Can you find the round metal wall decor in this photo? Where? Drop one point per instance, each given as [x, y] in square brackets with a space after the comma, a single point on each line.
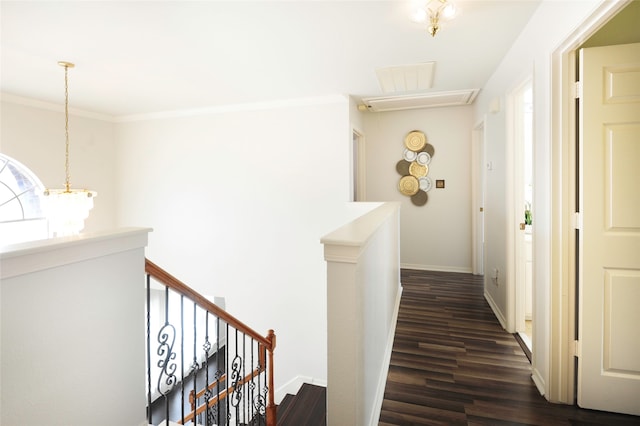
[414, 167]
[418, 170]
[402, 167]
[428, 148]
[415, 140]
[419, 198]
[409, 185]
[423, 158]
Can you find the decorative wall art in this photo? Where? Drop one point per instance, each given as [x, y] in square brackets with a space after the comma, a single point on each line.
[414, 168]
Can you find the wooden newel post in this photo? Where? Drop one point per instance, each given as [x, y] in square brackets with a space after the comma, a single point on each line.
[271, 405]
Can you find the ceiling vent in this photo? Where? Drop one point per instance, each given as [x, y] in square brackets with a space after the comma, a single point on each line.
[428, 100]
[406, 78]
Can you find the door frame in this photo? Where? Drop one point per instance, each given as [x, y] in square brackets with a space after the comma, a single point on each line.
[563, 206]
[477, 197]
[515, 199]
[357, 167]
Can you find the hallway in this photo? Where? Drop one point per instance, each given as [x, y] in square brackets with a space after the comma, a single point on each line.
[453, 364]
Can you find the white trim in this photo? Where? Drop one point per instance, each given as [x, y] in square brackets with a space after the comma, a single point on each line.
[562, 295]
[360, 174]
[222, 109]
[538, 380]
[50, 106]
[437, 268]
[33, 256]
[477, 196]
[346, 244]
[293, 386]
[495, 309]
[384, 373]
[515, 204]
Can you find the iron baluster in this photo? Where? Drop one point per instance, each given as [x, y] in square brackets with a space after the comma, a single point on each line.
[195, 366]
[252, 413]
[206, 346]
[218, 374]
[167, 364]
[236, 379]
[244, 374]
[248, 361]
[149, 415]
[182, 358]
[226, 363]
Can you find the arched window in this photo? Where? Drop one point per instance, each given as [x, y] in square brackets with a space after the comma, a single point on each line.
[21, 214]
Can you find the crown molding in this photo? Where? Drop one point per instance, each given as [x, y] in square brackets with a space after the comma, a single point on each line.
[49, 106]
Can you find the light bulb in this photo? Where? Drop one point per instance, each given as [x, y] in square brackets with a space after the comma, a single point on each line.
[419, 15]
[449, 11]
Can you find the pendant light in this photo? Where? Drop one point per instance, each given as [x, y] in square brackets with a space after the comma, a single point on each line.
[67, 208]
[436, 11]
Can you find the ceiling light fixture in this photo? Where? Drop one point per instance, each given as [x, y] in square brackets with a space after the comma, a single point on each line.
[67, 208]
[435, 11]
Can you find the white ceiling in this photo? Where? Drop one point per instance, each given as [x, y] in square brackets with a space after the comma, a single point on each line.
[136, 57]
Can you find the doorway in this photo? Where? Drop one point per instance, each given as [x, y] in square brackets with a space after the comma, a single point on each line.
[566, 223]
[357, 166]
[609, 234]
[521, 107]
[477, 194]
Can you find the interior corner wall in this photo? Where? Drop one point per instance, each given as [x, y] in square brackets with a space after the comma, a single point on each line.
[496, 214]
[238, 202]
[34, 136]
[530, 54]
[437, 235]
[356, 117]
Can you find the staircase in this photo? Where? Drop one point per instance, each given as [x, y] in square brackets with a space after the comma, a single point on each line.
[204, 366]
[307, 408]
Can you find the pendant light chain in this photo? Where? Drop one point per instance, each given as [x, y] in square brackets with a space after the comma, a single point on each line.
[67, 208]
[66, 128]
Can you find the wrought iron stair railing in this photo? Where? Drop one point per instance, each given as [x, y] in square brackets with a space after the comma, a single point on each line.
[204, 366]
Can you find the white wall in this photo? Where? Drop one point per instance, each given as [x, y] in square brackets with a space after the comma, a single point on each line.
[238, 201]
[530, 54]
[33, 133]
[72, 338]
[436, 236]
[363, 287]
[250, 192]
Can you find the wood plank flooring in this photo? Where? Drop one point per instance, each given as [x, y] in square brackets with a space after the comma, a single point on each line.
[308, 407]
[453, 364]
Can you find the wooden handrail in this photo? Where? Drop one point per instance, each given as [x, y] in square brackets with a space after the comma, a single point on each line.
[222, 395]
[175, 284]
[271, 413]
[211, 386]
[265, 343]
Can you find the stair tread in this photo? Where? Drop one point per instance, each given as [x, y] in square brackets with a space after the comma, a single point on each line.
[285, 404]
[308, 407]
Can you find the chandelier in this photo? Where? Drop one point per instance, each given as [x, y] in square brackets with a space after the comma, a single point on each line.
[67, 208]
[435, 11]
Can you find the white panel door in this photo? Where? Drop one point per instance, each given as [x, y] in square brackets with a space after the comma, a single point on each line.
[609, 284]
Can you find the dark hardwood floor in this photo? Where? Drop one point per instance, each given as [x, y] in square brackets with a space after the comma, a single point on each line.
[308, 407]
[453, 364]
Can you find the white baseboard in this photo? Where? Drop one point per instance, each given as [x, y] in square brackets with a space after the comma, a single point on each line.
[495, 309]
[539, 381]
[438, 268]
[294, 385]
[382, 380]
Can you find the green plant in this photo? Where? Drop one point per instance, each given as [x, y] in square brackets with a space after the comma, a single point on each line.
[527, 214]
